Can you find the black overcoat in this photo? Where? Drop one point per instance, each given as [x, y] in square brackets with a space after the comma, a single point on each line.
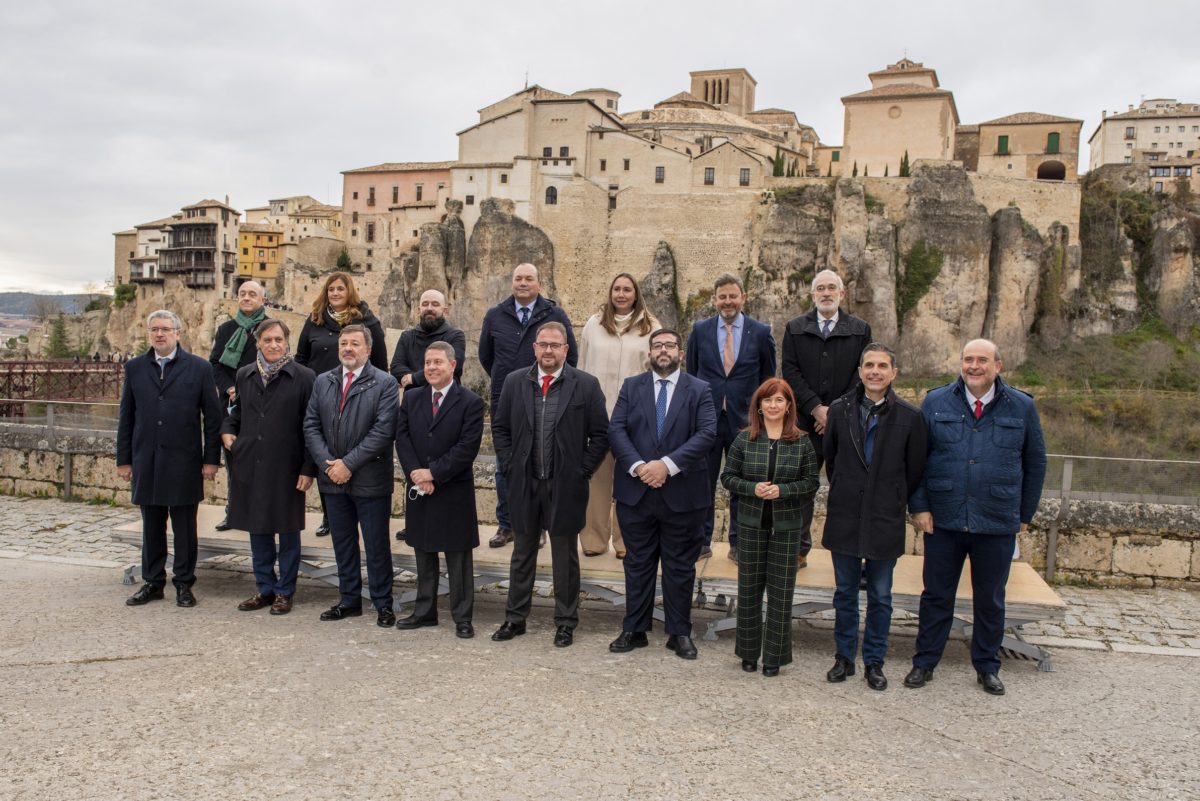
[447, 446]
[317, 345]
[169, 428]
[867, 507]
[269, 455]
[580, 442]
[820, 371]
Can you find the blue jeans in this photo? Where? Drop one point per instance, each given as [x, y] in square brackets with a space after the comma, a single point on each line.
[347, 515]
[847, 572]
[263, 554]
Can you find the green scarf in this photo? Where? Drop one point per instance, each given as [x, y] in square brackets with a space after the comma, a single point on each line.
[232, 357]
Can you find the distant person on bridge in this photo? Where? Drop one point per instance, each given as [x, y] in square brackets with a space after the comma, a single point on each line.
[168, 445]
[233, 348]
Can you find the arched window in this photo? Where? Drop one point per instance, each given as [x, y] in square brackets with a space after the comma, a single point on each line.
[551, 195]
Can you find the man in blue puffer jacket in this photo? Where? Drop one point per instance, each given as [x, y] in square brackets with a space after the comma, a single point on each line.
[982, 483]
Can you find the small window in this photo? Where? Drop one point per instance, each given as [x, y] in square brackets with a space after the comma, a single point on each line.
[609, 104]
[262, 266]
[470, 200]
[420, 191]
[1158, 185]
[353, 232]
[354, 217]
[414, 234]
[627, 165]
[395, 195]
[660, 174]
[245, 252]
[503, 177]
[1052, 142]
[261, 254]
[1182, 128]
[710, 176]
[1002, 146]
[1158, 129]
[564, 152]
[369, 251]
[368, 266]
[370, 232]
[744, 176]
[603, 164]
[836, 156]
[612, 202]
[1129, 133]
[551, 196]
[1154, 144]
[547, 152]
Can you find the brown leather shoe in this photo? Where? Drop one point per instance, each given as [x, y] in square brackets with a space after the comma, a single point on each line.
[257, 601]
[282, 605]
[620, 554]
[502, 537]
[801, 561]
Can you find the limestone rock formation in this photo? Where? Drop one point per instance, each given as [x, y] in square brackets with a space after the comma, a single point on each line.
[1174, 274]
[1016, 266]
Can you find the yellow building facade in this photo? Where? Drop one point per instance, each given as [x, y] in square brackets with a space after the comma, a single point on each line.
[258, 251]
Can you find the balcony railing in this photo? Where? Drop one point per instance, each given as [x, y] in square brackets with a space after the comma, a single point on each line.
[200, 280]
[193, 241]
[184, 260]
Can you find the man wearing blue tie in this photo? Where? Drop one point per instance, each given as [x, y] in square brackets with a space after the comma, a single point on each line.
[733, 353]
[662, 429]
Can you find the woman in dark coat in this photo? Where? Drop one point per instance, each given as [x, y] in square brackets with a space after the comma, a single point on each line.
[335, 307]
[772, 468]
[271, 467]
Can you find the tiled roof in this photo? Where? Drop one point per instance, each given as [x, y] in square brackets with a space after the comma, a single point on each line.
[1029, 118]
[684, 97]
[260, 228]
[897, 90]
[205, 204]
[158, 223]
[404, 166]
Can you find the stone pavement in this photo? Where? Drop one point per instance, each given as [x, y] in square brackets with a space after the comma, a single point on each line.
[1157, 621]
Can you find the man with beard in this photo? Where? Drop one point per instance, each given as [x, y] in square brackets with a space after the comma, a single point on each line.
[821, 349]
[408, 361]
[662, 429]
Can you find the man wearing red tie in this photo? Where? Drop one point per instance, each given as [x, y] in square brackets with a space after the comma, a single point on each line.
[550, 432]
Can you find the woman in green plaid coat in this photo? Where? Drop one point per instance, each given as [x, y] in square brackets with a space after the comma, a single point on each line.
[772, 468]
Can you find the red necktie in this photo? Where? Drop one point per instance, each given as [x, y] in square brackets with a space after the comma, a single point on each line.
[346, 390]
[978, 409]
[437, 402]
[546, 381]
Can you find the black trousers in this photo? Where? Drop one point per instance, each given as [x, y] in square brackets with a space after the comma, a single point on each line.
[154, 545]
[564, 556]
[653, 534]
[460, 567]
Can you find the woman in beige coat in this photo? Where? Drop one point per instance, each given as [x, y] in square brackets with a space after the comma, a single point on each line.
[613, 346]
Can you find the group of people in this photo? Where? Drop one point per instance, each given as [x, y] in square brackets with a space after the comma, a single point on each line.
[605, 440]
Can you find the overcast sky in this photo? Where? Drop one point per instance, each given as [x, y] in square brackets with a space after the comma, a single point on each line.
[117, 113]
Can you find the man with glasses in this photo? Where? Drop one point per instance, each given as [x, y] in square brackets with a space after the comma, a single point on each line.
[550, 430]
[168, 445]
[661, 431]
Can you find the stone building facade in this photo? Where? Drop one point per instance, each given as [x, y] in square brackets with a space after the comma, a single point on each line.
[1157, 130]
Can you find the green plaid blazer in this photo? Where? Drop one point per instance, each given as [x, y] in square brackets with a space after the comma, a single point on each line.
[795, 474]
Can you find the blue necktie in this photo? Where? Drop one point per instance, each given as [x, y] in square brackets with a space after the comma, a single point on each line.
[524, 316]
[825, 326]
[660, 405]
[162, 367]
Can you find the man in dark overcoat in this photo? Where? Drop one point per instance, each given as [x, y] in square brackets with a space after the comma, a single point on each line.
[820, 364]
[551, 433]
[875, 447]
[168, 445]
[272, 468]
[234, 348]
[439, 427]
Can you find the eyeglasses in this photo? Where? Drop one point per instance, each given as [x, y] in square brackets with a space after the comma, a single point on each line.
[664, 346]
[161, 330]
[555, 346]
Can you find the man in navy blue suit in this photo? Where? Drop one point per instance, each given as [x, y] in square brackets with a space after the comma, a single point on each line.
[662, 429]
[733, 353]
[163, 449]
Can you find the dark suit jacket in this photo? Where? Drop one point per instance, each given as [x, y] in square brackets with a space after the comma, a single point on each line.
[580, 443]
[688, 434]
[446, 445]
[795, 474]
[755, 364]
[169, 429]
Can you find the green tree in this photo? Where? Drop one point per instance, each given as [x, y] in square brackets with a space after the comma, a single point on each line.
[122, 294]
[829, 172]
[904, 171]
[885, 171]
[343, 260]
[865, 173]
[57, 347]
[854, 172]
[778, 169]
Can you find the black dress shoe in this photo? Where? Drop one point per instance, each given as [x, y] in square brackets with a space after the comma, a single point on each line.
[749, 666]
[563, 637]
[464, 631]
[223, 525]
[508, 630]
[145, 594]
[322, 530]
[627, 641]
[991, 683]
[385, 619]
[414, 622]
[683, 646]
[400, 535]
[918, 677]
[184, 597]
[733, 554]
[502, 537]
[842, 667]
[770, 671]
[875, 678]
[338, 612]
